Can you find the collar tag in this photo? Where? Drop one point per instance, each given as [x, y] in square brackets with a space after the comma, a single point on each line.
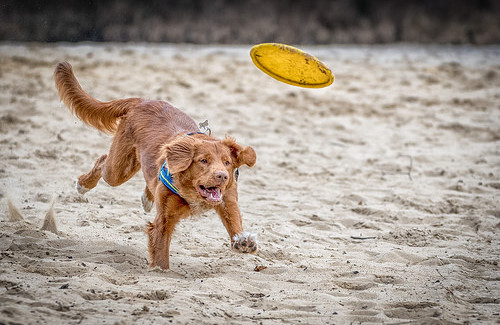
[204, 128]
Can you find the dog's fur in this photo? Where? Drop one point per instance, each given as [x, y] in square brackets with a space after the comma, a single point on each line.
[148, 133]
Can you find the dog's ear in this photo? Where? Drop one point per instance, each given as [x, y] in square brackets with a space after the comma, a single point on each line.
[180, 154]
[241, 156]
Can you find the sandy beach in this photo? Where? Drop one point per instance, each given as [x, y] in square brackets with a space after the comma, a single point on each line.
[375, 200]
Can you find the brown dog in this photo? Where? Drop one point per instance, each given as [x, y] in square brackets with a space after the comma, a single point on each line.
[199, 170]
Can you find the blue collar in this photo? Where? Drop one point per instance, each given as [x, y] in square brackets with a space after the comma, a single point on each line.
[166, 179]
[165, 176]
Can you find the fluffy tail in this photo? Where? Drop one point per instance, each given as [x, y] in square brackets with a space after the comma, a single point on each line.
[101, 115]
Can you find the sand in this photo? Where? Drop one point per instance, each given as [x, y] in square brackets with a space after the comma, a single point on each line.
[376, 200]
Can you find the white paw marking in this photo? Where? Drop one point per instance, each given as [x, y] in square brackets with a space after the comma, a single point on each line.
[245, 242]
[146, 203]
[81, 189]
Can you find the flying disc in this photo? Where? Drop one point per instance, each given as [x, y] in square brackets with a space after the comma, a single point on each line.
[291, 65]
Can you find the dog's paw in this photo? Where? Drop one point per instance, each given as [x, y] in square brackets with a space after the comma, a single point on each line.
[81, 189]
[146, 203]
[245, 243]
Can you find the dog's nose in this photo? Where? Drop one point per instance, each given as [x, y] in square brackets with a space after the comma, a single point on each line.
[221, 176]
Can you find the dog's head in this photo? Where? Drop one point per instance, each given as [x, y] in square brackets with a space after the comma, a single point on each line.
[204, 167]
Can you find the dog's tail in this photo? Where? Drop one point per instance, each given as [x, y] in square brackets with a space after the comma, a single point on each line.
[101, 115]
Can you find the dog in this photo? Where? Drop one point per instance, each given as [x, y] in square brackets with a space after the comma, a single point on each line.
[187, 172]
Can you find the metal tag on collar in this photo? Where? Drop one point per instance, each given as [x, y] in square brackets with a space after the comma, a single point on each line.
[204, 128]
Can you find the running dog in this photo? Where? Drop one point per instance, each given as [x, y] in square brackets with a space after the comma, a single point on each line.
[187, 172]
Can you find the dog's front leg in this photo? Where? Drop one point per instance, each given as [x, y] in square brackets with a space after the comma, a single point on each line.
[230, 215]
[170, 210]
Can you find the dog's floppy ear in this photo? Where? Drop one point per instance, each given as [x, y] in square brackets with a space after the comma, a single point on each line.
[242, 156]
[180, 154]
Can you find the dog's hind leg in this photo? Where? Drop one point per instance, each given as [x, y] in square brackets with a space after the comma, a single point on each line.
[120, 167]
[115, 168]
[121, 163]
[88, 181]
[147, 200]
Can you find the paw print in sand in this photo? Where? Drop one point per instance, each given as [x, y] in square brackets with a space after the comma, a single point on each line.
[245, 243]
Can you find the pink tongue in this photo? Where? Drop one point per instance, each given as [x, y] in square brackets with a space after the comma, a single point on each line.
[213, 195]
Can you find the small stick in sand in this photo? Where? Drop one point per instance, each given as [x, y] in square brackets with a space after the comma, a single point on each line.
[451, 295]
[411, 167]
[362, 238]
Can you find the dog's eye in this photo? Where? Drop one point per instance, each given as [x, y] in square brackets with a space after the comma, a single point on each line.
[204, 161]
[227, 162]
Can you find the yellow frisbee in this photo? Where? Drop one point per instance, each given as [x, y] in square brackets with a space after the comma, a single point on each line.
[291, 65]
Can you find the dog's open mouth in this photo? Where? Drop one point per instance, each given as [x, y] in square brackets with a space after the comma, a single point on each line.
[212, 194]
